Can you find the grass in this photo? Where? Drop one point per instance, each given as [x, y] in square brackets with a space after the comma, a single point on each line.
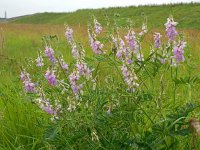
[24, 126]
[186, 14]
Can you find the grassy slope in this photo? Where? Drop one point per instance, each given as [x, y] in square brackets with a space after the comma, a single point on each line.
[188, 16]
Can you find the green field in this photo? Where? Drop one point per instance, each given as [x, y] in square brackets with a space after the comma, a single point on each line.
[157, 116]
[188, 16]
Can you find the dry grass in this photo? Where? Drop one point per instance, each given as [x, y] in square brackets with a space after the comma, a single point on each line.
[33, 33]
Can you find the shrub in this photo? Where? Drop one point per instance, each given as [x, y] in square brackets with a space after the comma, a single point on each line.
[119, 98]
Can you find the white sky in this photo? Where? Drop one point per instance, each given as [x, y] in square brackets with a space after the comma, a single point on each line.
[23, 7]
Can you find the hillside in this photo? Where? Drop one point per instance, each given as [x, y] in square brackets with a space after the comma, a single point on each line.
[188, 16]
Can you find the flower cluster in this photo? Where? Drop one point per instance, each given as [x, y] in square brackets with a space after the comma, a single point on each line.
[51, 77]
[121, 49]
[80, 69]
[114, 42]
[178, 52]
[132, 41]
[171, 29]
[83, 69]
[73, 79]
[29, 86]
[39, 61]
[129, 77]
[128, 52]
[133, 47]
[96, 45]
[49, 52]
[69, 34]
[157, 41]
[97, 27]
[64, 66]
[46, 105]
[43, 103]
[125, 55]
[75, 52]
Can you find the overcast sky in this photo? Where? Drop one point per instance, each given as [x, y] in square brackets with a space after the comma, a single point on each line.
[24, 7]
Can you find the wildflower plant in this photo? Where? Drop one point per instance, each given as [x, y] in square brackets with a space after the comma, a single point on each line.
[117, 98]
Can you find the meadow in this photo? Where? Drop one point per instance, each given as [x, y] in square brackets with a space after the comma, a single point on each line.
[162, 113]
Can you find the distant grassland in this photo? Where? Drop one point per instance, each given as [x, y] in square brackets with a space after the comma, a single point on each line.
[188, 16]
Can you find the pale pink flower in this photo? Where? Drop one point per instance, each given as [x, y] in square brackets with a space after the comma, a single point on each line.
[171, 29]
[97, 27]
[69, 34]
[157, 41]
[39, 61]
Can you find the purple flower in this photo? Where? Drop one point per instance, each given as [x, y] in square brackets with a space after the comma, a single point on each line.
[96, 45]
[29, 86]
[50, 76]
[49, 52]
[171, 29]
[69, 34]
[157, 41]
[121, 49]
[24, 76]
[83, 69]
[39, 61]
[46, 105]
[49, 108]
[73, 79]
[130, 78]
[64, 65]
[75, 52]
[129, 61]
[124, 53]
[119, 54]
[97, 27]
[132, 41]
[178, 51]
